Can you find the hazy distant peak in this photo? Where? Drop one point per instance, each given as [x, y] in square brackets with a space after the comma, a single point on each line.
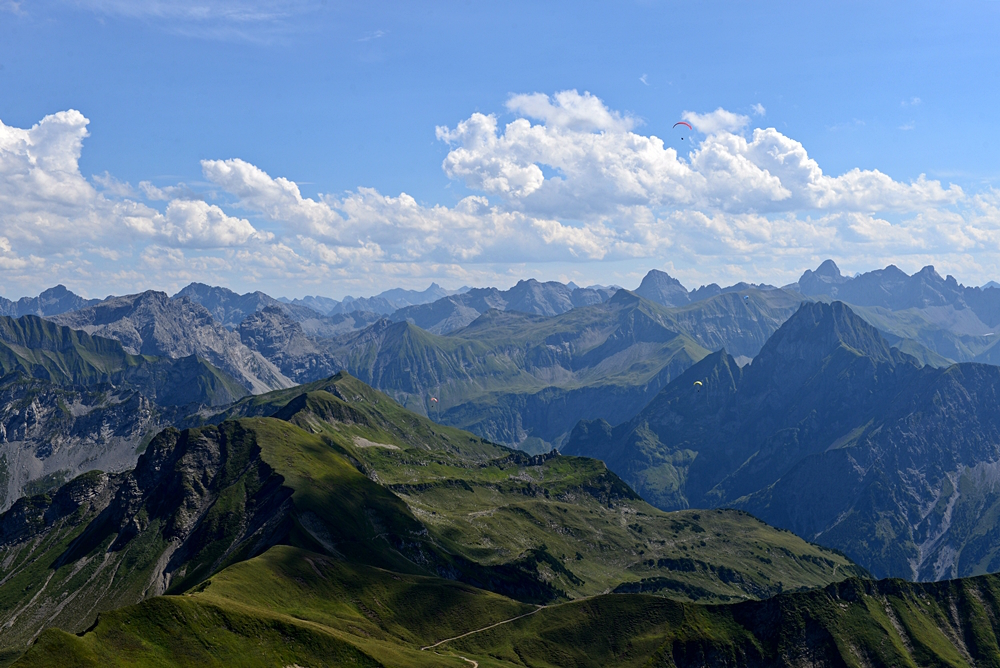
[662, 288]
[59, 290]
[828, 268]
[624, 297]
[828, 273]
[929, 272]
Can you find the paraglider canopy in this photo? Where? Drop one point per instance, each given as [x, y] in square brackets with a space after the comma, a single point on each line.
[683, 123]
[434, 400]
[698, 383]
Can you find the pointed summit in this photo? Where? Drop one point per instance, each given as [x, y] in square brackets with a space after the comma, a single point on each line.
[823, 281]
[812, 339]
[662, 288]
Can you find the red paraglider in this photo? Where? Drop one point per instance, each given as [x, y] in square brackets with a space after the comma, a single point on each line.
[683, 123]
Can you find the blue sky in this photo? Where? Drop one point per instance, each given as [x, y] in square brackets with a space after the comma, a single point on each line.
[191, 121]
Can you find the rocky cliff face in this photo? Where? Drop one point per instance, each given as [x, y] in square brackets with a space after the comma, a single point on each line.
[194, 500]
[150, 323]
[50, 434]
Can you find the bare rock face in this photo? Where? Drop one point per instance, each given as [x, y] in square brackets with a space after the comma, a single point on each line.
[662, 288]
[272, 333]
[150, 323]
[50, 434]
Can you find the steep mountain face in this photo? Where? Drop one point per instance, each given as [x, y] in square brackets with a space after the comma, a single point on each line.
[41, 349]
[280, 339]
[662, 288]
[150, 323]
[344, 472]
[530, 296]
[50, 302]
[50, 434]
[832, 434]
[230, 308]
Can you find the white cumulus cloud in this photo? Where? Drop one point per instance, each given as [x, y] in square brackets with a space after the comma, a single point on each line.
[719, 120]
[563, 181]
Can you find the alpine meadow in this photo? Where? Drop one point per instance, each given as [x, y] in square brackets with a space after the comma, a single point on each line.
[499, 335]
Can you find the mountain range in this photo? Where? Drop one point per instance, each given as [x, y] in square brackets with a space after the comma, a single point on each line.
[215, 478]
[830, 433]
[339, 475]
[150, 323]
[384, 303]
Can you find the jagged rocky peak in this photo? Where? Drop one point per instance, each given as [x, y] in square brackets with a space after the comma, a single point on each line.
[662, 288]
[822, 281]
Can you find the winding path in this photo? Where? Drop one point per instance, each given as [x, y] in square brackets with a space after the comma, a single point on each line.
[485, 628]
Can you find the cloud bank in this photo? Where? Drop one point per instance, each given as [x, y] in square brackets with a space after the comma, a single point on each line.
[563, 184]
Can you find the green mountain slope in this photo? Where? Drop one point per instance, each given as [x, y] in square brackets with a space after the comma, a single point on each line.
[344, 471]
[291, 607]
[833, 434]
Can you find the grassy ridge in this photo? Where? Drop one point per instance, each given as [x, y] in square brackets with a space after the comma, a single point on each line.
[568, 519]
[291, 606]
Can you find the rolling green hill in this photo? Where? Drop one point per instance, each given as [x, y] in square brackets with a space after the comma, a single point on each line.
[343, 471]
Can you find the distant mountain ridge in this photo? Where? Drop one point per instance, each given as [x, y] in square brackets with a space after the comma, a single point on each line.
[383, 303]
[230, 308]
[528, 296]
[150, 323]
[893, 289]
[53, 301]
[662, 288]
